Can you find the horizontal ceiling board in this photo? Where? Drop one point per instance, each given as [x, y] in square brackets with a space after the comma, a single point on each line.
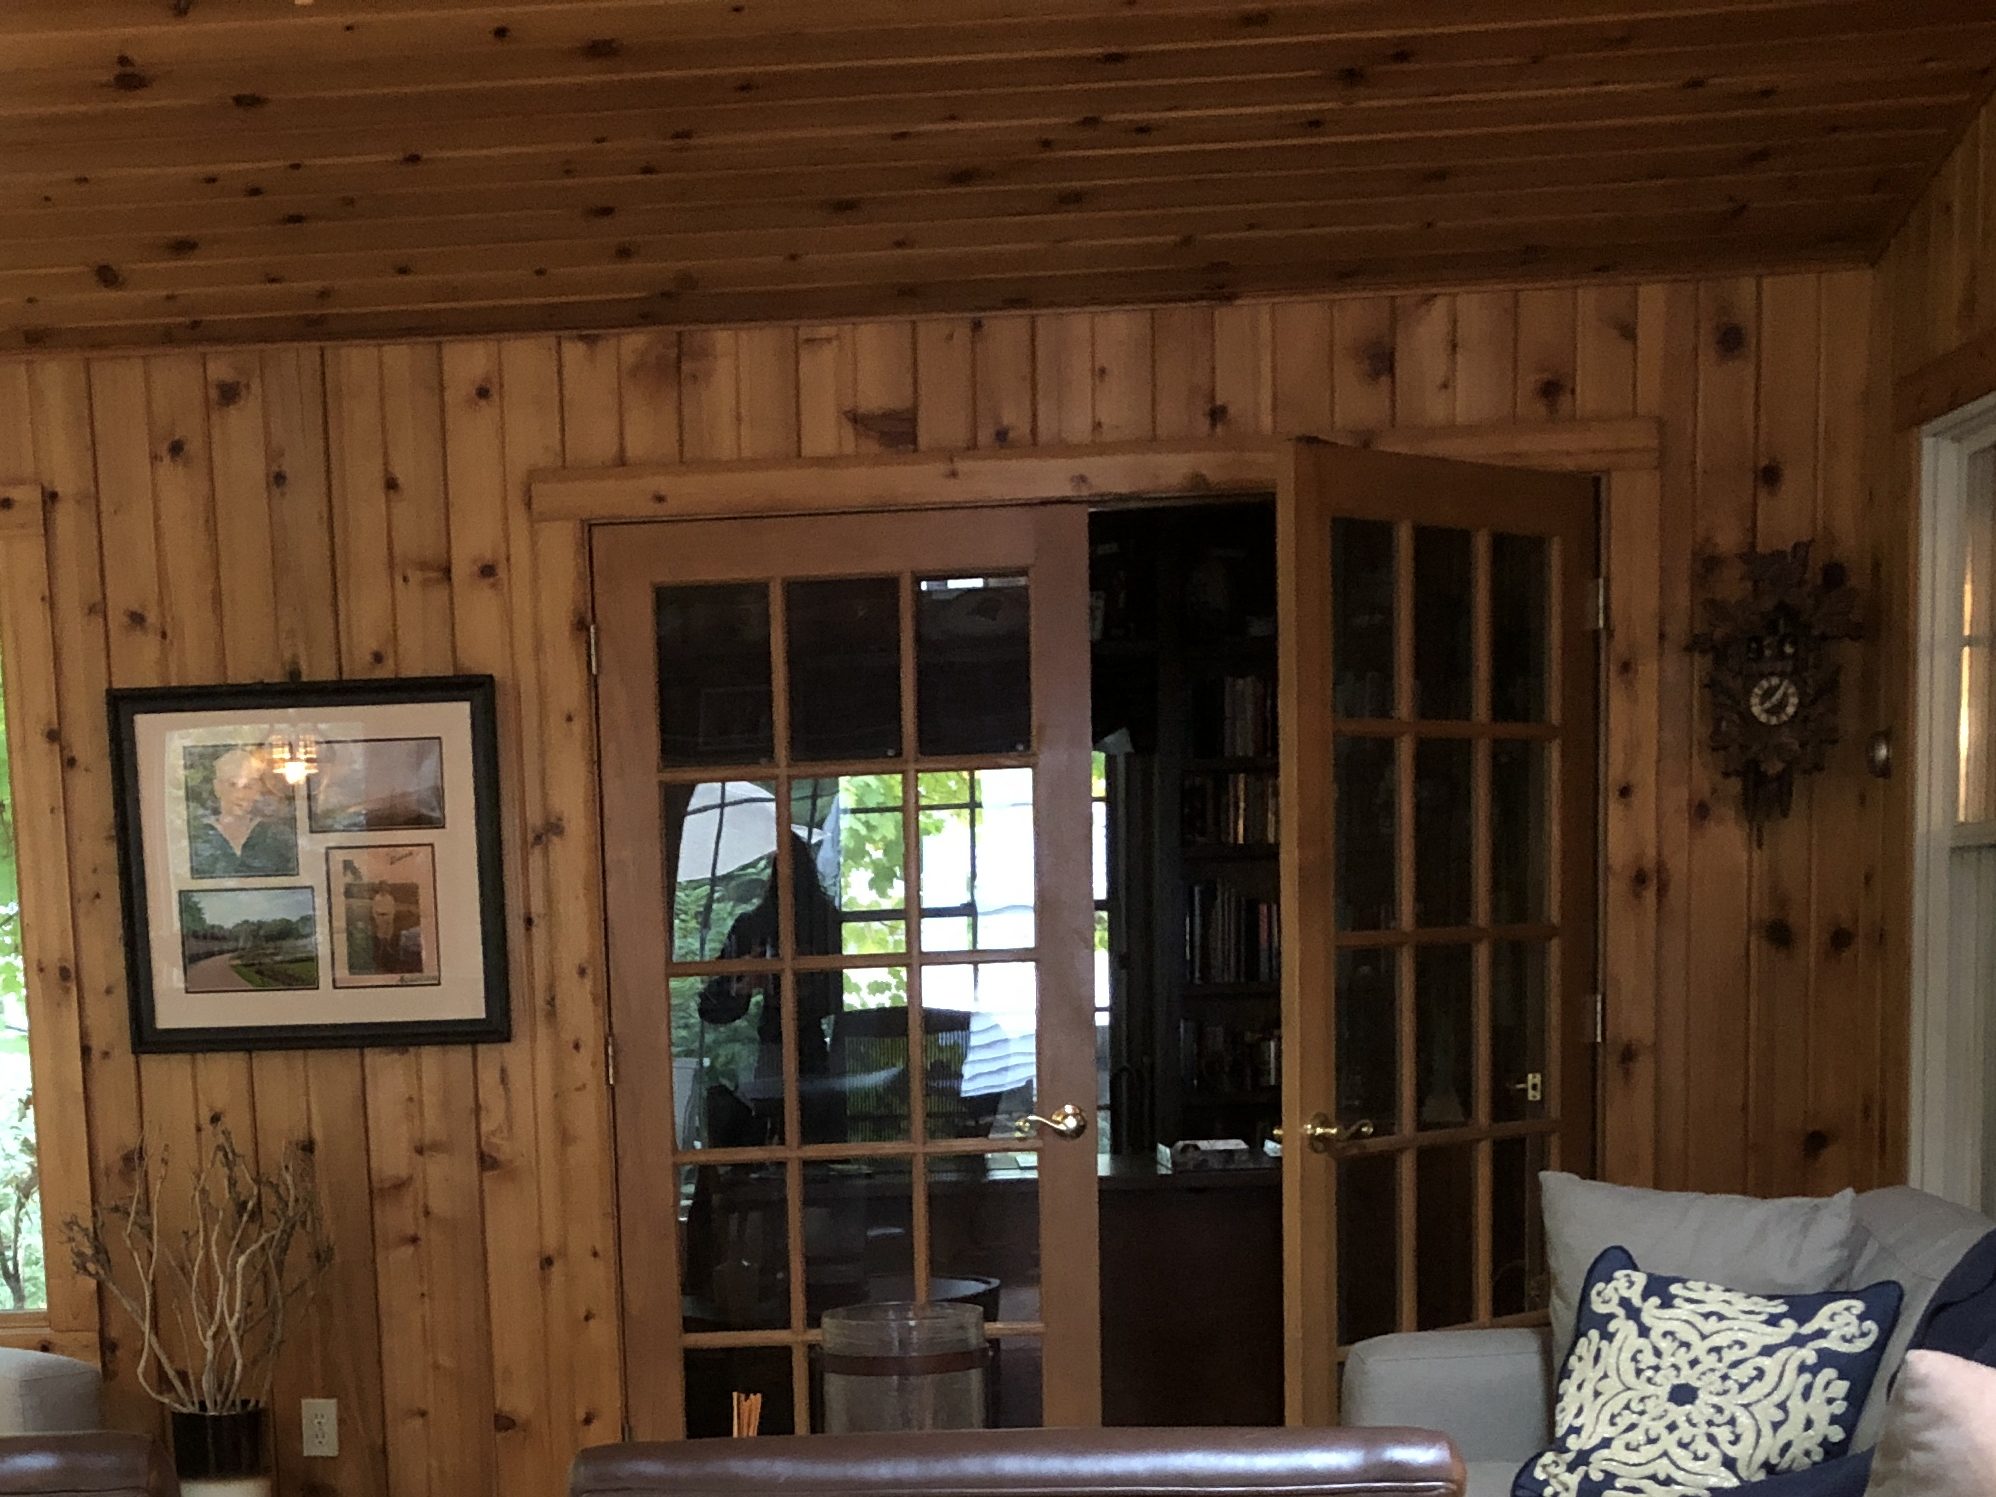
[175, 169]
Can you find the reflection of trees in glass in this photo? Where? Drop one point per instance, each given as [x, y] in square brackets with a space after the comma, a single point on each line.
[22, 1271]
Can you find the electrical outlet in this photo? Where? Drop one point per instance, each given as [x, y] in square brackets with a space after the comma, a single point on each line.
[321, 1418]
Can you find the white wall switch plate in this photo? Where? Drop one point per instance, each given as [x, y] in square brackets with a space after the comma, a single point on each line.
[321, 1418]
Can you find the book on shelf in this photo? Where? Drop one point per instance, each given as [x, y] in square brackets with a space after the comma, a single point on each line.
[1231, 937]
[1238, 809]
[1236, 717]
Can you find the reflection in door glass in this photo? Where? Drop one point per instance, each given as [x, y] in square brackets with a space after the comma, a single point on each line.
[713, 674]
[1368, 1246]
[1368, 1044]
[984, 1232]
[1445, 1035]
[980, 1026]
[1445, 1207]
[1443, 795]
[1519, 1277]
[843, 645]
[1444, 622]
[852, 892]
[974, 685]
[859, 1238]
[1520, 824]
[1368, 811]
[736, 1247]
[715, 1374]
[1520, 627]
[1363, 577]
[720, 852]
[1520, 1006]
[977, 859]
[727, 1060]
[864, 1094]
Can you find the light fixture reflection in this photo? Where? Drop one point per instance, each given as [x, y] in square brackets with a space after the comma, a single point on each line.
[296, 759]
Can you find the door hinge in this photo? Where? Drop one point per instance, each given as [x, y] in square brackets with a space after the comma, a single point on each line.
[610, 1058]
[1600, 604]
[592, 647]
[1601, 1018]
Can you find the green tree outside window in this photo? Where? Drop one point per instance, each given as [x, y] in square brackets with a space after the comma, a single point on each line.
[23, 1275]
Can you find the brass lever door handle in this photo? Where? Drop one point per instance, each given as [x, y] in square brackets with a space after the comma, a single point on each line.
[1322, 1132]
[1068, 1121]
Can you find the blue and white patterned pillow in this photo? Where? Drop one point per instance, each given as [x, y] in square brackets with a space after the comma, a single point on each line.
[1676, 1387]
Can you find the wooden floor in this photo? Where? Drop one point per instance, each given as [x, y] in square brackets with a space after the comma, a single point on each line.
[233, 170]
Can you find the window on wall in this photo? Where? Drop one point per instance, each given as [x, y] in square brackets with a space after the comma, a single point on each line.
[23, 1278]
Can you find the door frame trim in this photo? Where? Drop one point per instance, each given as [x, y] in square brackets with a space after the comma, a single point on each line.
[1626, 453]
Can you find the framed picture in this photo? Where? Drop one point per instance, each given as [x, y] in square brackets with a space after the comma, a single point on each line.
[311, 865]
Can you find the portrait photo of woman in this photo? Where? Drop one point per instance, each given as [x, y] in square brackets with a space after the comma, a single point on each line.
[242, 818]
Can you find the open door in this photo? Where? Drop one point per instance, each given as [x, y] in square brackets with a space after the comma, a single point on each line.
[1438, 690]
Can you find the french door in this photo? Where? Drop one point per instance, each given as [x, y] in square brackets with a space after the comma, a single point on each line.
[847, 828]
[1437, 697]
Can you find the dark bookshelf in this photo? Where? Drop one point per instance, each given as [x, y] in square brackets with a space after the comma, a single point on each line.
[1185, 699]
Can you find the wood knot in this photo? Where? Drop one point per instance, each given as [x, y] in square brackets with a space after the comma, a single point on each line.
[1551, 390]
[228, 393]
[1730, 340]
[279, 478]
[248, 101]
[177, 448]
[1771, 474]
[487, 570]
[130, 81]
[1842, 939]
[1779, 934]
[108, 276]
[503, 1422]
[1377, 359]
[483, 392]
[602, 47]
[1814, 1143]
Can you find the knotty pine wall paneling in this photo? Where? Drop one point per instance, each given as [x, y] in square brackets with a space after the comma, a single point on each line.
[355, 510]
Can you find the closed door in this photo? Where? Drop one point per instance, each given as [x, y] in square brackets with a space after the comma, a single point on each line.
[847, 813]
[1438, 840]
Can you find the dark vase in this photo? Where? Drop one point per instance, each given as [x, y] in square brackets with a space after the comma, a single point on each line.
[218, 1447]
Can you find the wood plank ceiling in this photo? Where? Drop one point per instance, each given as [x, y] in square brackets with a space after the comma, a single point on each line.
[243, 170]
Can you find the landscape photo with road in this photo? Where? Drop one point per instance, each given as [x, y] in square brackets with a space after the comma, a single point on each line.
[241, 940]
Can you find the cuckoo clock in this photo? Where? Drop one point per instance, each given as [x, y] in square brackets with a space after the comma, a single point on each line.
[1772, 683]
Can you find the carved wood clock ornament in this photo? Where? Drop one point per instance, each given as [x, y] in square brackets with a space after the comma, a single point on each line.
[1772, 683]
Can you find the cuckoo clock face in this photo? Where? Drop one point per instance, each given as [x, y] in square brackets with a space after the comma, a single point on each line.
[1773, 684]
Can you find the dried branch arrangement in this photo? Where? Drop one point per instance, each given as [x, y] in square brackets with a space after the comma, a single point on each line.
[213, 1284]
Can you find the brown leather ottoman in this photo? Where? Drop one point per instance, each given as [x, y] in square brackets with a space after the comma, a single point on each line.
[1036, 1463]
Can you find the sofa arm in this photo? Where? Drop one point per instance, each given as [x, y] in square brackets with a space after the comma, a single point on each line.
[1489, 1390]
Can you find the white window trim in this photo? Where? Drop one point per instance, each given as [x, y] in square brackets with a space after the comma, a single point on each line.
[1949, 1105]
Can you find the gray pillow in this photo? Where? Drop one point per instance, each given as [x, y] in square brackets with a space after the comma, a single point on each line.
[1802, 1245]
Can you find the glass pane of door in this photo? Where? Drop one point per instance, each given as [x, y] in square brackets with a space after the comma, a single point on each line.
[846, 1019]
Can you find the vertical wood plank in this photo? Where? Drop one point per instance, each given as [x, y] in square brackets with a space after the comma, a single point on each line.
[1719, 972]
[769, 414]
[1486, 331]
[1781, 959]
[1182, 351]
[1848, 1008]
[1424, 346]
[508, 1077]
[883, 416]
[945, 386]
[647, 394]
[709, 394]
[825, 397]
[1362, 364]
[1243, 389]
[1064, 379]
[1605, 355]
[1123, 378]
[1546, 353]
[1667, 388]
[1299, 355]
[1002, 380]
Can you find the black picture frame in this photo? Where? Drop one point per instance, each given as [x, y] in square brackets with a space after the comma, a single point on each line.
[129, 706]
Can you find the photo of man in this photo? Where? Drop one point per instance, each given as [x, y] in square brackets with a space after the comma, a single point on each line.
[385, 899]
[242, 818]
